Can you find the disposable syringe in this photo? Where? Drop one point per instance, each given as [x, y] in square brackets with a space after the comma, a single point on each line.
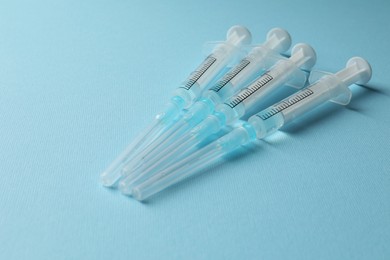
[184, 96]
[285, 71]
[260, 58]
[333, 87]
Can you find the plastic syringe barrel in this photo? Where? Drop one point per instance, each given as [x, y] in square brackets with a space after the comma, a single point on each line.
[260, 58]
[283, 72]
[192, 87]
[332, 87]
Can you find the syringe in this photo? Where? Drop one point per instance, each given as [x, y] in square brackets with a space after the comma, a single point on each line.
[184, 96]
[285, 71]
[333, 87]
[260, 58]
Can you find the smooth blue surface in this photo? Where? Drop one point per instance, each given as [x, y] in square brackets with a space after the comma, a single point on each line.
[79, 79]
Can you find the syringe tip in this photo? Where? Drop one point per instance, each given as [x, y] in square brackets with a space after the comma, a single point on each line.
[125, 188]
[109, 179]
[137, 194]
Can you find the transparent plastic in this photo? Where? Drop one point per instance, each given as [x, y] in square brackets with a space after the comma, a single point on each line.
[260, 58]
[228, 113]
[331, 87]
[328, 88]
[192, 164]
[183, 97]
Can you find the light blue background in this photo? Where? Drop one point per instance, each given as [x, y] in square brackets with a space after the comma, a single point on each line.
[79, 79]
